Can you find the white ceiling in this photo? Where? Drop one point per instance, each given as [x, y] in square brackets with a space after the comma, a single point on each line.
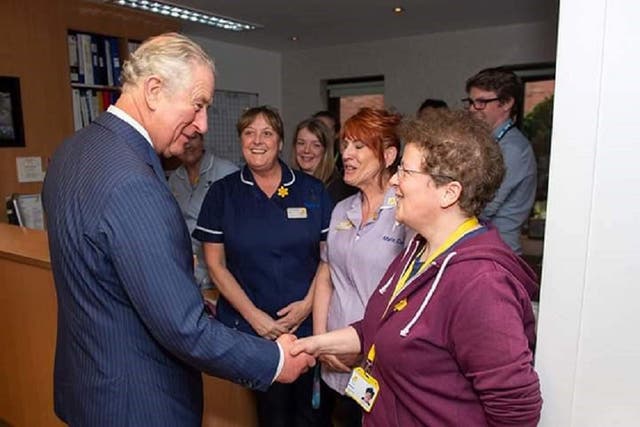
[319, 23]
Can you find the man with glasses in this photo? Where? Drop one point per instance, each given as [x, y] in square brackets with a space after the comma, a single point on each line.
[493, 96]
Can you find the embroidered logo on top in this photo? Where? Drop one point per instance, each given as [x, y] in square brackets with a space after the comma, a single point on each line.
[283, 191]
[391, 201]
[392, 239]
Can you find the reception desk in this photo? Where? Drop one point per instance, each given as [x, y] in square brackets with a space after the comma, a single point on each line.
[28, 334]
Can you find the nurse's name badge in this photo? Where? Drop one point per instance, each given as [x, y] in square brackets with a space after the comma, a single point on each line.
[344, 225]
[297, 213]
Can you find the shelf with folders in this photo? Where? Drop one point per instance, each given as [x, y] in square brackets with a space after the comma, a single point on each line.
[94, 74]
[89, 104]
[94, 59]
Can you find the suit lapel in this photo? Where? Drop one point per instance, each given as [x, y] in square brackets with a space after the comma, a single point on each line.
[135, 140]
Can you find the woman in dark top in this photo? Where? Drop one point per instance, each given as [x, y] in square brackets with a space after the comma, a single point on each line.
[313, 153]
[262, 229]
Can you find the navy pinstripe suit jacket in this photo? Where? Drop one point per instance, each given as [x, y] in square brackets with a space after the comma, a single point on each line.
[132, 332]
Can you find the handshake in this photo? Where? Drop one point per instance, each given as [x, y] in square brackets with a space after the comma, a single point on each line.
[300, 354]
[296, 360]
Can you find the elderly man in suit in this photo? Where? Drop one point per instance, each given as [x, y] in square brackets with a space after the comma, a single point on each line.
[133, 333]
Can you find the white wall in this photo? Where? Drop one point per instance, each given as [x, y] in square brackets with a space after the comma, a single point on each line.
[414, 68]
[246, 69]
[588, 338]
[417, 67]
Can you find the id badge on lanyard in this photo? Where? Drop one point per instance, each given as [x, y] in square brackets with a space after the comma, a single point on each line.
[362, 386]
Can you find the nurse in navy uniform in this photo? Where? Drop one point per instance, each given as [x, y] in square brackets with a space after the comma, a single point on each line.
[261, 229]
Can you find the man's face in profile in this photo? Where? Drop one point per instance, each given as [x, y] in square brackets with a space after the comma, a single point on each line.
[182, 113]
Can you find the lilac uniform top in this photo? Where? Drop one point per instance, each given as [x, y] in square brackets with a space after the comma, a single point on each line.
[358, 255]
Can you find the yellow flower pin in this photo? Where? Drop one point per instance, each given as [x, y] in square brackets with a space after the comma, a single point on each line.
[283, 191]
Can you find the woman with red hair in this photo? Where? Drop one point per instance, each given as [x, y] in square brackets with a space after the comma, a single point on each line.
[350, 267]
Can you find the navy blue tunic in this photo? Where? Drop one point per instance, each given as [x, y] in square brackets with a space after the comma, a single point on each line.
[272, 245]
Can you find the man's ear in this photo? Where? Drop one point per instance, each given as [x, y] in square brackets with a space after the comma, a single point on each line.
[508, 104]
[451, 194]
[390, 156]
[153, 86]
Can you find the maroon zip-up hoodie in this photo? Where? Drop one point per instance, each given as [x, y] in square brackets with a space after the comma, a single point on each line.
[460, 355]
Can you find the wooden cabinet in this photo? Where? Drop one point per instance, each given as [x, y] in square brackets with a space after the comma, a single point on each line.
[35, 49]
[28, 337]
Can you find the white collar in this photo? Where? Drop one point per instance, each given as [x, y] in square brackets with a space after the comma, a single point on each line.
[130, 120]
[250, 179]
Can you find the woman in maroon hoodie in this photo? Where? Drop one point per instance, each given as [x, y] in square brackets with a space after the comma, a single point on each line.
[449, 333]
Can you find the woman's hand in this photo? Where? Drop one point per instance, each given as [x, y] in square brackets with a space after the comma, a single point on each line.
[265, 325]
[294, 314]
[343, 341]
[310, 345]
[333, 363]
[350, 359]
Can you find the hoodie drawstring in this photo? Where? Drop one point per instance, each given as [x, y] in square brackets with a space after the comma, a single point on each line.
[410, 249]
[405, 331]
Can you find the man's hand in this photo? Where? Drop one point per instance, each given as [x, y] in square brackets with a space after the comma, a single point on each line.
[293, 366]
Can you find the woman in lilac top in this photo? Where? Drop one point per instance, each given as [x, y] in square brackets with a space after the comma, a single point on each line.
[448, 334]
[363, 239]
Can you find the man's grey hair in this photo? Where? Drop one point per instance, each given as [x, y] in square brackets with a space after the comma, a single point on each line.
[170, 56]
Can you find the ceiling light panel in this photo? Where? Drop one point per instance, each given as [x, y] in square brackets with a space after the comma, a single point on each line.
[191, 15]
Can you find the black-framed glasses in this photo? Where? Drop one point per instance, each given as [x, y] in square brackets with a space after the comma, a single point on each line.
[478, 104]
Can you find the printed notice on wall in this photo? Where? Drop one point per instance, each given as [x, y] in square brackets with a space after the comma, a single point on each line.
[30, 210]
[29, 169]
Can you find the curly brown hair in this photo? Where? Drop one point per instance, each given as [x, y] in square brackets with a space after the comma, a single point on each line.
[456, 146]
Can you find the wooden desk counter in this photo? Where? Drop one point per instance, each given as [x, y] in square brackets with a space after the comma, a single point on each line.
[24, 245]
[28, 320]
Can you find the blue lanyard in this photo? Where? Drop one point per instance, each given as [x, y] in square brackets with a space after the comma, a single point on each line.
[504, 129]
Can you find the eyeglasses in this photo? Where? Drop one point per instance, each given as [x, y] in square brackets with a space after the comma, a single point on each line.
[402, 172]
[478, 104]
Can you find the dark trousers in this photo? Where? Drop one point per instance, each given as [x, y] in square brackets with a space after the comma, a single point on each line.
[289, 405]
[343, 410]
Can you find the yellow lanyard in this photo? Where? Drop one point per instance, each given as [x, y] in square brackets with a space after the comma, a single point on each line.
[464, 228]
[370, 357]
